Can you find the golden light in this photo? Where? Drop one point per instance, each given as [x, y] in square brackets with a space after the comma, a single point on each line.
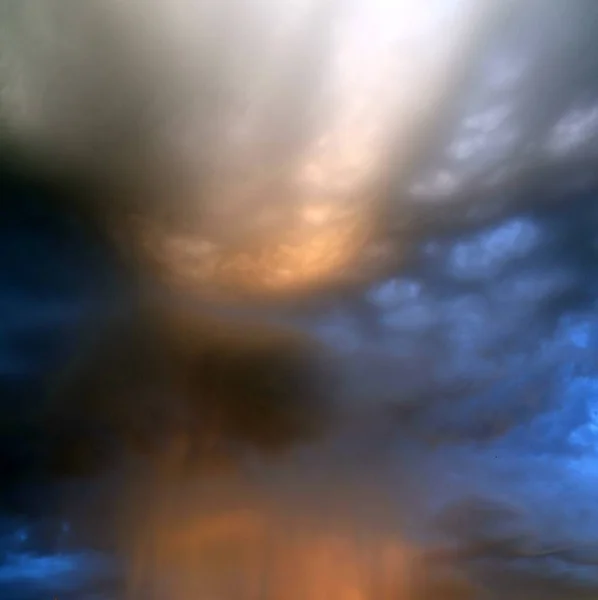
[289, 189]
[249, 554]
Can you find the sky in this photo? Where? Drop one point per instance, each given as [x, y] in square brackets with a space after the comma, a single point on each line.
[481, 347]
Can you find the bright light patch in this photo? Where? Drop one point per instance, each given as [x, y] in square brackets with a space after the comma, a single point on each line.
[575, 129]
[484, 254]
[383, 67]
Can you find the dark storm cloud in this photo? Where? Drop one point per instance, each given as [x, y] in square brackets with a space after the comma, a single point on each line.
[482, 349]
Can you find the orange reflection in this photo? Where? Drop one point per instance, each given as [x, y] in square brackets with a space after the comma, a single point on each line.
[296, 259]
[247, 555]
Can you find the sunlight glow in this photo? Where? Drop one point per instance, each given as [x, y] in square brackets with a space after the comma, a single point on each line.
[382, 66]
